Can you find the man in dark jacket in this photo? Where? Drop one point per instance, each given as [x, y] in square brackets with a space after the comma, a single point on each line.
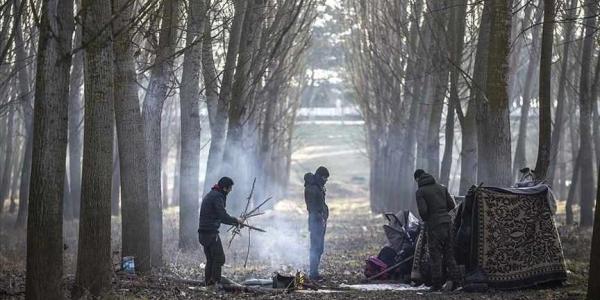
[212, 214]
[318, 213]
[434, 204]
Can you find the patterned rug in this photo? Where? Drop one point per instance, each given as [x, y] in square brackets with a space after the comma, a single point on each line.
[517, 242]
[505, 239]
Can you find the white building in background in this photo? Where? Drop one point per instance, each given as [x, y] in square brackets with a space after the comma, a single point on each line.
[337, 113]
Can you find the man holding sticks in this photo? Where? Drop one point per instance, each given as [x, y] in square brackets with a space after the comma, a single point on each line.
[212, 214]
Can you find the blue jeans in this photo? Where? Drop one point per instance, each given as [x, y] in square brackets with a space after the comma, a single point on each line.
[317, 227]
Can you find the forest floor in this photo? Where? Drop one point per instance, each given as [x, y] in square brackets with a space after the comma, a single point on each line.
[353, 234]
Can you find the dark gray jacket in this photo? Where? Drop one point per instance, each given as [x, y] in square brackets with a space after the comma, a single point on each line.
[314, 195]
[434, 201]
[213, 213]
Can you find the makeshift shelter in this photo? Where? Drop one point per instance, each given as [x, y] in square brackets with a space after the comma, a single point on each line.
[505, 238]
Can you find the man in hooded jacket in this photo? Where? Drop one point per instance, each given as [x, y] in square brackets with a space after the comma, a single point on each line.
[434, 204]
[318, 213]
[212, 214]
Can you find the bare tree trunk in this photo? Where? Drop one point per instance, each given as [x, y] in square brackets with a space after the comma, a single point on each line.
[75, 125]
[6, 172]
[496, 151]
[560, 111]
[474, 126]
[26, 100]
[234, 157]
[545, 114]
[457, 34]
[218, 127]
[48, 164]
[438, 47]
[240, 87]
[520, 160]
[469, 121]
[153, 106]
[210, 79]
[130, 137]
[176, 194]
[585, 120]
[165, 149]
[115, 194]
[593, 289]
[94, 262]
[190, 127]
[26, 169]
[15, 181]
[595, 90]
[562, 170]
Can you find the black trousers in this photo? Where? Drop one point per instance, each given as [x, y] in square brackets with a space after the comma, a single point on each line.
[441, 253]
[317, 227]
[215, 257]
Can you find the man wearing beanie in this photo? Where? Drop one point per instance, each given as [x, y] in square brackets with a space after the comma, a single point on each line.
[434, 204]
[212, 214]
[318, 213]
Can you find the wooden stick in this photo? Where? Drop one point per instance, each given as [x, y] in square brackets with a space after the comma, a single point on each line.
[247, 250]
[243, 215]
[249, 197]
[259, 206]
[390, 268]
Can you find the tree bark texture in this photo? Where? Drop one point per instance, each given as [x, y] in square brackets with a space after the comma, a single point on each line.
[190, 127]
[494, 158]
[156, 94]
[48, 164]
[135, 230]
[94, 260]
[585, 118]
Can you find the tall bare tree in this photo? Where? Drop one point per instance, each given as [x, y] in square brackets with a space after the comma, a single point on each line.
[45, 220]
[8, 157]
[585, 117]
[470, 118]
[158, 87]
[593, 289]
[75, 125]
[494, 128]
[94, 264]
[190, 126]
[545, 115]
[218, 111]
[520, 159]
[456, 32]
[27, 109]
[130, 138]
[560, 115]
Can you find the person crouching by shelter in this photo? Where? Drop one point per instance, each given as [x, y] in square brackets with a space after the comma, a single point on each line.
[318, 213]
[434, 204]
[212, 214]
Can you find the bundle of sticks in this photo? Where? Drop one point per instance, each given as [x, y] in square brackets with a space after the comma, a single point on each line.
[244, 217]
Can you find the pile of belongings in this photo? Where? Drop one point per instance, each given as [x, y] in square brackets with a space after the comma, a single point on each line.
[505, 238]
[395, 260]
[299, 281]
